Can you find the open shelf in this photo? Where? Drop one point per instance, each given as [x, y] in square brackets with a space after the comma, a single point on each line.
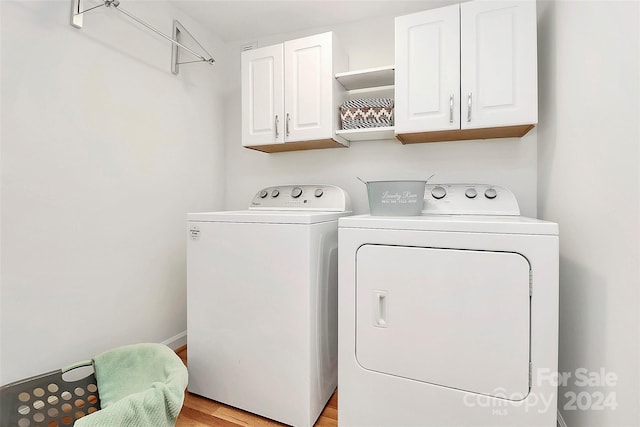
[367, 134]
[369, 78]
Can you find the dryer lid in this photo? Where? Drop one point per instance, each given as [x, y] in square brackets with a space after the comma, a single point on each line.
[473, 208]
[455, 223]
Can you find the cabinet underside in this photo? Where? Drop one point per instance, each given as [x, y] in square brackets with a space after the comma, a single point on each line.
[465, 134]
[297, 146]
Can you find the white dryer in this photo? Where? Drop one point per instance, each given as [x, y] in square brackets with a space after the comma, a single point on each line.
[262, 302]
[449, 318]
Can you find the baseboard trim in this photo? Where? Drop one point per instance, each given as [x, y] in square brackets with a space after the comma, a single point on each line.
[177, 341]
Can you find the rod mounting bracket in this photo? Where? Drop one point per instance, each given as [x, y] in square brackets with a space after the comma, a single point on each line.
[76, 13]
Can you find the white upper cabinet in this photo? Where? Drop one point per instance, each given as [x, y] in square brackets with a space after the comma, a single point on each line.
[290, 97]
[427, 50]
[308, 96]
[466, 71]
[263, 96]
[498, 50]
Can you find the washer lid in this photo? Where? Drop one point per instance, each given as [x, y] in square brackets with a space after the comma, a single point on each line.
[267, 217]
[458, 223]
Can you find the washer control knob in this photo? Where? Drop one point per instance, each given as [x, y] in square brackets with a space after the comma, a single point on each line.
[471, 193]
[275, 193]
[263, 194]
[296, 192]
[438, 192]
[318, 192]
[490, 193]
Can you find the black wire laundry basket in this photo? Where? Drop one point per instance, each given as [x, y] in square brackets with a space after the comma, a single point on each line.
[54, 399]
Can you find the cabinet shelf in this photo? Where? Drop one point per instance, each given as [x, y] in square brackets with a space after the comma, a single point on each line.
[366, 79]
[367, 134]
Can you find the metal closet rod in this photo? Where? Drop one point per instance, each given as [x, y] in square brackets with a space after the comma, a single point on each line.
[116, 4]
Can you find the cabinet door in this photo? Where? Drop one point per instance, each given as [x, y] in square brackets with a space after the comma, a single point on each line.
[262, 96]
[427, 79]
[308, 90]
[499, 63]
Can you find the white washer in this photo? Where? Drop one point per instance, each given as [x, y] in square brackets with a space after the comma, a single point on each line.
[262, 302]
[449, 318]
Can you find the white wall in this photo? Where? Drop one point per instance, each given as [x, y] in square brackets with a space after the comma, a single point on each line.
[589, 162]
[104, 151]
[509, 162]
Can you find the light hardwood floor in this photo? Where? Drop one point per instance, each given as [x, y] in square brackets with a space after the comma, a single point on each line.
[200, 412]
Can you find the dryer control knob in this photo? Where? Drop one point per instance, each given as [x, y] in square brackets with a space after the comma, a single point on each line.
[296, 192]
[471, 193]
[438, 192]
[275, 193]
[490, 193]
[263, 194]
[318, 192]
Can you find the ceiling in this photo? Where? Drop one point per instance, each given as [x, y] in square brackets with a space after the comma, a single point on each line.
[235, 20]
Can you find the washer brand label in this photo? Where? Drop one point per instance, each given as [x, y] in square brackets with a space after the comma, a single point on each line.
[194, 232]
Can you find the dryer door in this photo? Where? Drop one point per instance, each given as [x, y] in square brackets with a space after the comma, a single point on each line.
[455, 318]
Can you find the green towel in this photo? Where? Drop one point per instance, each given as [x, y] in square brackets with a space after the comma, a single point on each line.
[139, 385]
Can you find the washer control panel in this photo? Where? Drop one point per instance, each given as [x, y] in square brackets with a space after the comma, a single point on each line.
[301, 197]
[469, 199]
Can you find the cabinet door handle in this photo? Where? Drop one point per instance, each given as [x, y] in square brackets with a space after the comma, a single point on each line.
[470, 102]
[276, 123]
[287, 125]
[451, 108]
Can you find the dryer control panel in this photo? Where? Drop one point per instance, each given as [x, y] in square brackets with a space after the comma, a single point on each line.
[469, 199]
[327, 198]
